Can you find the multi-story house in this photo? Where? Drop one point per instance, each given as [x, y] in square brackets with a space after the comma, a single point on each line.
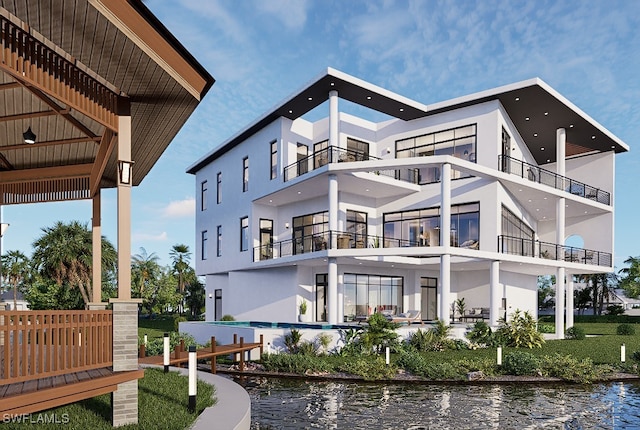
[469, 198]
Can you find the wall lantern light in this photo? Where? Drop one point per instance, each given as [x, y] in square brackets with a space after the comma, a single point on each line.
[29, 136]
[124, 169]
[286, 225]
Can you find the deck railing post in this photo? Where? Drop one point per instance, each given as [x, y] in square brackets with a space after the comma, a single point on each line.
[241, 354]
[213, 358]
[261, 345]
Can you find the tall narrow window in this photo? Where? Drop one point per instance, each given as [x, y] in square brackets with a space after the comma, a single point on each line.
[219, 188]
[274, 159]
[203, 244]
[219, 241]
[357, 227]
[266, 239]
[244, 234]
[245, 174]
[203, 195]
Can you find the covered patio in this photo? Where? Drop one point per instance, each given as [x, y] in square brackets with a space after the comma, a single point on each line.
[87, 89]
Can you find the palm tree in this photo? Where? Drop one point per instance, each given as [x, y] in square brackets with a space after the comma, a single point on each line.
[181, 256]
[145, 268]
[15, 267]
[602, 286]
[64, 253]
[630, 280]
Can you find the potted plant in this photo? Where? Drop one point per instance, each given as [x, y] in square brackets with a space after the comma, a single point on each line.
[302, 307]
[461, 307]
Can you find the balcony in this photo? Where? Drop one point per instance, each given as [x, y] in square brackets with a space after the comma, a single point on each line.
[334, 154]
[552, 251]
[337, 240]
[536, 174]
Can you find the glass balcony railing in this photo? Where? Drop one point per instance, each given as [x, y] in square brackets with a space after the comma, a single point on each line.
[536, 174]
[552, 251]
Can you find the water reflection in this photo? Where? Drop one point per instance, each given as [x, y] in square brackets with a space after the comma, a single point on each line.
[296, 404]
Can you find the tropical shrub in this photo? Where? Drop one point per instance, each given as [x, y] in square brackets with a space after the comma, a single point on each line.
[227, 318]
[569, 368]
[520, 331]
[379, 334]
[575, 333]
[481, 334]
[434, 339]
[615, 310]
[292, 341]
[350, 339]
[626, 330]
[177, 320]
[520, 363]
[369, 368]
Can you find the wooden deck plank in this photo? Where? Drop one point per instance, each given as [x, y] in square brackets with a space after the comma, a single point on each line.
[42, 399]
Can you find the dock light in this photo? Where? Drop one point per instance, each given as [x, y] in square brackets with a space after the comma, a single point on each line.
[623, 352]
[166, 353]
[387, 355]
[499, 357]
[145, 340]
[192, 378]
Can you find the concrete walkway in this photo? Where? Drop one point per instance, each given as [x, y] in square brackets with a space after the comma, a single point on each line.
[233, 407]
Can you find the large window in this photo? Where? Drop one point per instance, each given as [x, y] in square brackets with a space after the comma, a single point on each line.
[320, 154]
[245, 174]
[266, 239]
[367, 294]
[219, 188]
[357, 150]
[219, 241]
[203, 245]
[421, 227]
[274, 159]
[203, 195]
[519, 237]
[322, 283]
[310, 232]
[459, 142]
[244, 234]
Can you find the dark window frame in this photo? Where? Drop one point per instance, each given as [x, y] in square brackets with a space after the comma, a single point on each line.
[274, 159]
[245, 174]
[244, 234]
[203, 195]
[219, 241]
[219, 188]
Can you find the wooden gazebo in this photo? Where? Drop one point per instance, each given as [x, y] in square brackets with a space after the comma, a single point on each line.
[87, 88]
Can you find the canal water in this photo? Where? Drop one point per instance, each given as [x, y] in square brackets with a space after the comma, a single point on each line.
[297, 404]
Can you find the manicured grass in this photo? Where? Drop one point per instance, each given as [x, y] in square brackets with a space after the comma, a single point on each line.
[163, 400]
[155, 327]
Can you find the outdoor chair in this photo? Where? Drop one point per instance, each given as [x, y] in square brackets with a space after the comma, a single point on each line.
[408, 317]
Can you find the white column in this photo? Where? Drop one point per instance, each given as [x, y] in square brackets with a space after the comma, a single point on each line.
[445, 207]
[333, 119]
[495, 294]
[560, 303]
[332, 292]
[561, 144]
[333, 202]
[570, 288]
[445, 287]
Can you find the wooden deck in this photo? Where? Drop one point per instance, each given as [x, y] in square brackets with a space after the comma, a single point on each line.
[53, 391]
[52, 358]
[179, 356]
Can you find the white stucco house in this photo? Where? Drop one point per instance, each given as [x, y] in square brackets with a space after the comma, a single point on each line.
[469, 198]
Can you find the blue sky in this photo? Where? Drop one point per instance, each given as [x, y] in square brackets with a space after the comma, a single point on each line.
[261, 51]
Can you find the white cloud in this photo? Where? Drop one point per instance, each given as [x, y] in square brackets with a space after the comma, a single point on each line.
[292, 13]
[150, 237]
[180, 208]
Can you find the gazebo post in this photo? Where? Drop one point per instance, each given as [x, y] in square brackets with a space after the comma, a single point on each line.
[124, 401]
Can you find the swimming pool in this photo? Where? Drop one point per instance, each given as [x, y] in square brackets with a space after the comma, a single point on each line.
[285, 325]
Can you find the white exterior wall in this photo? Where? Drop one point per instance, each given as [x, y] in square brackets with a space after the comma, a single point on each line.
[273, 293]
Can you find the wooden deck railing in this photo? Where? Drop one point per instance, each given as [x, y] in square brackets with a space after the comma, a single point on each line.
[39, 344]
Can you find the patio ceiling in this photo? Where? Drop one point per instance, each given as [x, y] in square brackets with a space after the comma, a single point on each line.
[69, 69]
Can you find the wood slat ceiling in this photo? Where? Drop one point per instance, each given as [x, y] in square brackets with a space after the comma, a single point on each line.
[78, 31]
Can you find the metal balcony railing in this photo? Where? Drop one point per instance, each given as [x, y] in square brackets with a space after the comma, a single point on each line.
[536, 174]
[334, 154]
[552, 251]
[337, 240]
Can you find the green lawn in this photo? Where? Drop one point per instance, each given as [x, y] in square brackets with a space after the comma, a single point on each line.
[163, 400]
[155, 327]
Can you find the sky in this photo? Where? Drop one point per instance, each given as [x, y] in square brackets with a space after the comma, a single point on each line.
[262, 51]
